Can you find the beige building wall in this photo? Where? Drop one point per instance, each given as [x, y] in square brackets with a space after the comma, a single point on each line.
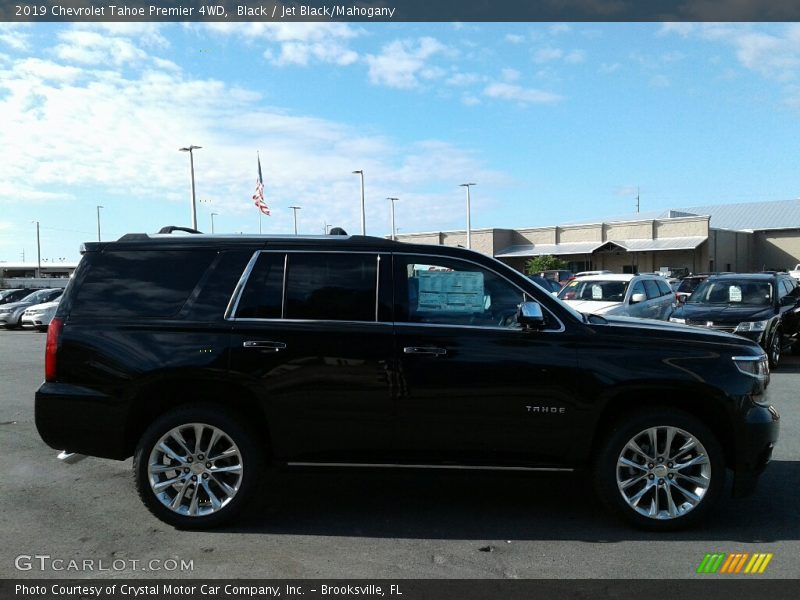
[538, 235]
[586, 233]
[776, 249]
[682, 227]
[639, 230]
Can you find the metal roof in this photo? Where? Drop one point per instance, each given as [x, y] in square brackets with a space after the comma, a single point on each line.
[522, 250]
[745, 216]
[672, 243]
[752, 216]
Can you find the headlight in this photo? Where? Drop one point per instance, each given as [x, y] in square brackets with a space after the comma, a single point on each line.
[677, 320]
[755, 366]
[752, 326]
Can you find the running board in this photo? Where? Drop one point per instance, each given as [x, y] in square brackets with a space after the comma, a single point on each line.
[70, 458]
[404, 466]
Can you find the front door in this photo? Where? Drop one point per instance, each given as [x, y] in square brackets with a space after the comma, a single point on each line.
[473, 387]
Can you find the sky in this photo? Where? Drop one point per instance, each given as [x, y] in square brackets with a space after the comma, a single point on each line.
[554, 123]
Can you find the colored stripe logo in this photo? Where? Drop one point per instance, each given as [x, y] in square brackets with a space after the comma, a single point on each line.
[736, 562]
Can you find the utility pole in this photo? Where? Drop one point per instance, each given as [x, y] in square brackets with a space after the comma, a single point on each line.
[38, 252]
[637, 199]
[469, 216]
[190, 150]
[294, 210]
[98, 222]
[363, 217]
[394, 229]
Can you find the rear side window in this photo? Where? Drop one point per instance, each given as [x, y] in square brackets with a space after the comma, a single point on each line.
[664, 287]
[147, 283]
[263, 296]
[331, 286]
[651, 288]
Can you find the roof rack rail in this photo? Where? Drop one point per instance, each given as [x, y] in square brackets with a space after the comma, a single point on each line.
[171, 228]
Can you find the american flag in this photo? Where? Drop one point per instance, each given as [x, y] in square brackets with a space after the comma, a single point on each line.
[258, 197]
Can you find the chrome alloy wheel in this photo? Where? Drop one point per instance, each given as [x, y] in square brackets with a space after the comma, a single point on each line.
[775, 349]
[663, 472]
[195, 469]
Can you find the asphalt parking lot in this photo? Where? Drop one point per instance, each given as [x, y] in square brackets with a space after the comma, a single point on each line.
[366, 524]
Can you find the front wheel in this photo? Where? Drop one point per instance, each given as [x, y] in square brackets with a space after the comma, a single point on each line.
[660, 470]
[774, 349]
[196, 467]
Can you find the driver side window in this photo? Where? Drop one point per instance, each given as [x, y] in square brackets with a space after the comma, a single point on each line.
[447, 291]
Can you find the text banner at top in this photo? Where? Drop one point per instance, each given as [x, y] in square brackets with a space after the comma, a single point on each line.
[400, 10]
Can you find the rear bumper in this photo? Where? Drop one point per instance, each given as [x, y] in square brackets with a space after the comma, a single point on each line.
[81, 420]
[758, 436]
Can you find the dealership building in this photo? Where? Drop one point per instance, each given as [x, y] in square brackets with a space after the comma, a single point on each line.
[752, 236]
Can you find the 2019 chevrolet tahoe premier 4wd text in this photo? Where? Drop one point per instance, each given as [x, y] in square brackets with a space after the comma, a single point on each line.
[208, 357]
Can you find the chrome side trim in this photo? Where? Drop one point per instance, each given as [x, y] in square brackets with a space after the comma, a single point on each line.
[283, 285]
[233, 303]
[750, 358]
[447, 467]
[377, 285]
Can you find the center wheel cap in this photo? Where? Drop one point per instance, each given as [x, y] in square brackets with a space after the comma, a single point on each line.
[660, 471]
[198, 468]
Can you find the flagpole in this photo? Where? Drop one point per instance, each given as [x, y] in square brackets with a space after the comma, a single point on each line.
[259, 222]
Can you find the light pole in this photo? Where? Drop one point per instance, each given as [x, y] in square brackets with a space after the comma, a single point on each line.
[98, 222]
[294, 211]
[363, 217]
[394, 230]
[212, 221]
[190, 150]
[469, 215]
[38, 252]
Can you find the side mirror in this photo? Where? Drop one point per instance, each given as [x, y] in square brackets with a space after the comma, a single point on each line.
[636, 298]
[530, 315]
[789, 301]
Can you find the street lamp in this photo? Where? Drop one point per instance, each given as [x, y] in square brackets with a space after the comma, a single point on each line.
[294, 211]
[394, 230]
[469, 217]
[212, 221]
[38, 252]
[98, 222]
[190, 149]
[363, 217]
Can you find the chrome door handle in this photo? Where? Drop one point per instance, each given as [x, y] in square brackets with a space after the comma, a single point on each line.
[424, 351]
[265, 345]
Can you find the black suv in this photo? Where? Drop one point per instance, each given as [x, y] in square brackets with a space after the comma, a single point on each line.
[764, 307]
[207, 357]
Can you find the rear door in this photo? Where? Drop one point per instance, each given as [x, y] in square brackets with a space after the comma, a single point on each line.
[311, 339]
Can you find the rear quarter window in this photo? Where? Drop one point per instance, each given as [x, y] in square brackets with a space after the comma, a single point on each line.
[149, 283]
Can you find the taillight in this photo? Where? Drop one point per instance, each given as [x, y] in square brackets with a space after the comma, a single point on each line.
[51, 347]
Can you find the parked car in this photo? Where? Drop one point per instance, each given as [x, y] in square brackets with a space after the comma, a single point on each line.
[586, 273]
[643, 296]
[39, 316]
[11, 314]
[558, 275]
[688, 284]
[795, 272]
[550, 285]
[206, 357]
[764, 307]
[13, 295]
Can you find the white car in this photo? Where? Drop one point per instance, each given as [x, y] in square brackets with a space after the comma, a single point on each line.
[39, 316]
[643, 296]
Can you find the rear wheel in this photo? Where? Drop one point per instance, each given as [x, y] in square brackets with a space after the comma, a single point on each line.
[196, 467]
[660, 470]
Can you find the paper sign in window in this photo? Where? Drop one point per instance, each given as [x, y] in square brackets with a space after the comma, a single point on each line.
[451, 292]
[597, 292]
[735, 294]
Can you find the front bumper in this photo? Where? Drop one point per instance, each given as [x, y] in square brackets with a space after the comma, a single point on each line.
[757, 436]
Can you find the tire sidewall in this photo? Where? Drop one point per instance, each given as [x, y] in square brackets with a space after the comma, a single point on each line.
[235, 428]
[605, 467]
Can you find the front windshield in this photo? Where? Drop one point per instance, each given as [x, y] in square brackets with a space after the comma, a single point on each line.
[597, 290]
[732, 292]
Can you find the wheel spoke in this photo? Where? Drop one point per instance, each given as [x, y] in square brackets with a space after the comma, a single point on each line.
[652, 435]
[670, 437]
[634, 500]
[654, 503]
[169, 452]
[629, 463]
[228, 489]
[198, 436]
[687, 446]
[215, 435]
[633, 480]
[671, 508]
[229, 453]
[700, 459]
[178, 499]
[230, 469]
[215, 503]
[195, 500]
[632, 445]
[164, 468]
[161, 485]
[700, 482]
[176, 435]
[689, 495]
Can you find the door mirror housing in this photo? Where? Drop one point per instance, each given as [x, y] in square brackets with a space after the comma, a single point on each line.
[530, 315]
[636, 298]
[789, 301]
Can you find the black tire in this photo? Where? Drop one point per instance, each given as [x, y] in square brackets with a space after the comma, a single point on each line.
[774, 348]
[663, 482]
[207, 482]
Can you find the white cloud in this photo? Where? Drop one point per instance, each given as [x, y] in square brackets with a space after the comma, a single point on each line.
[509, 75]
[659, 81]
[463, 79]
[94, 48]
[299, 44]
[513, 38]
[547, 54]
[575, 57]
[401, 61]
[15, 35]
[522, 95]
[609, 68]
